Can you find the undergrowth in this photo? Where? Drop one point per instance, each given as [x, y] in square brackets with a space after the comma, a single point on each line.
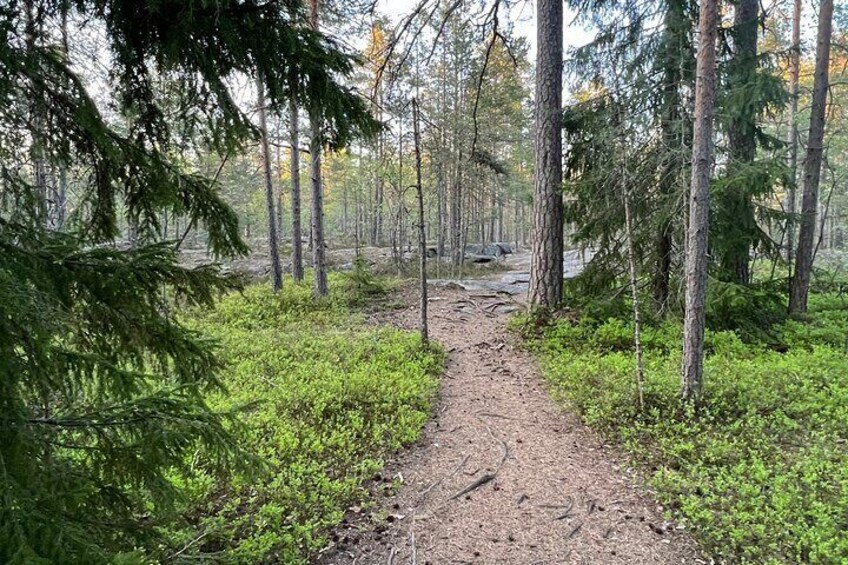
[323, 399]
[760, 471]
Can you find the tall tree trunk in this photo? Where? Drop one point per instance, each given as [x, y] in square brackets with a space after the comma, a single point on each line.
[794, 72]
[278, 173]
[297, 230]
[634, 295]
[812, 164]
[376, 232]
[500, 211]
[699, 204]
[441, 214]
[59, 194]
[546, 267]
[676, 52]
[319, 259]
[422, 240]
[39, 163]
[457, 246]
[276, 271]
[737, 202]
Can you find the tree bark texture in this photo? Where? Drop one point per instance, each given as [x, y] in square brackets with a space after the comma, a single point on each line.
[800, 286]
[422, 238]
[319, 257]
[276, 272]
[547, 250]
[737, 201]
[297, 229]
[699, 204]
[794, 72]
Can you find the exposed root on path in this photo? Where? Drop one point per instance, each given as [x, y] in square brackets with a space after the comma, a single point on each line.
[550, 491]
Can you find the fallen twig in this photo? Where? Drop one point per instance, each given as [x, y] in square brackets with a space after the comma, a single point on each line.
[493, 415]
[488, 477]
[414, 553]
[454, 472]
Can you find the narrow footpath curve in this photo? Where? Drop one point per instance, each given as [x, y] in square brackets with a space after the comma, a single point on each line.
[503, 475]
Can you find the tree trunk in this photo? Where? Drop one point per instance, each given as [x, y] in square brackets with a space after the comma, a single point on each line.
[276, 271]
[376, 232]
[297, 230]
[39, 163]
[699, 204]
[546, 267]
[59, 191]
[812, 165]
[278, 173]
[319, 259]
[794, 72]
[737, 200]
[422, 240]
[441, 215]
[634, 294]
[675, 53]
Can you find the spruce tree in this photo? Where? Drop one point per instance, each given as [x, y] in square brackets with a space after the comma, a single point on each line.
[101, 387]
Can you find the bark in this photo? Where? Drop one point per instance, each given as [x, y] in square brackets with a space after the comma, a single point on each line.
[376, 229]
[441, 197]
[319, 259]
[39, 164]
[442, 213]
[456, 217]
[675, 49]
[276, 271]
[422, 240]
[58, 192]
[699, 204]
[281, 230]
[547, 252]
[634, 292]
[737, 201]
[800, 285]
[794, 72]
[297, 230]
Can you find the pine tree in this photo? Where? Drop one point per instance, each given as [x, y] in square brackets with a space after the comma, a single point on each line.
[800, 284]
[547, 268]
[694, 321]
[273, 238]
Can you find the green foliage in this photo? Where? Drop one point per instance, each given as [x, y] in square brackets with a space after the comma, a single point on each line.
[328, 399]
[750, 310]
[760, 472]
[101, 392]
[361, 283]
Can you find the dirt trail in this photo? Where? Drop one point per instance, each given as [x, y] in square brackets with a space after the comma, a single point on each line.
[541, 488]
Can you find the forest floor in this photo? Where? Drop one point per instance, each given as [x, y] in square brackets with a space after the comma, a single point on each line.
[503, 474]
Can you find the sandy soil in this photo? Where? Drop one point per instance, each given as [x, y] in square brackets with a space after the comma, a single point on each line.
[503, 475]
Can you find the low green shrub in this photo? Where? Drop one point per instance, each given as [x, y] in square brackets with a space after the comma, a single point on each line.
[751, 311]
[760, 471]
[324, 398]
[361, 284]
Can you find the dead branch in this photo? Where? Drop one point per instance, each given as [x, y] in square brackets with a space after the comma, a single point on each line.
[487, 478]
[441, 480]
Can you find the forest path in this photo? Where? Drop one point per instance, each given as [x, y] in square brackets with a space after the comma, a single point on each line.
[503, 475]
